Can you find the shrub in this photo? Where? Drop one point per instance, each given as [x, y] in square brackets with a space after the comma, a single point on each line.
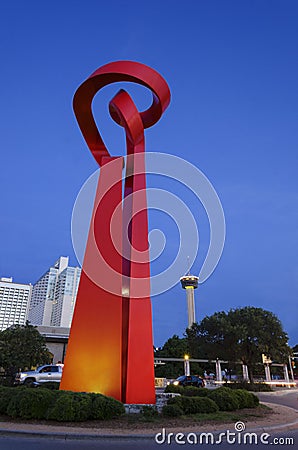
[255, 400]
[194, 405]
[246, 399]
[6, 381]
[172, 388]
[30, 404]
[175, 401]
[105, 408]
[172, 410]
[70, 406]
[6, 394]
[225, 398]
[149, 412]
[243, 399]
[193, 391]
[189, 391]
[57, 405]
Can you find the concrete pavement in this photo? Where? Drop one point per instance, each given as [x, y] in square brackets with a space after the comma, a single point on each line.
[287, 397]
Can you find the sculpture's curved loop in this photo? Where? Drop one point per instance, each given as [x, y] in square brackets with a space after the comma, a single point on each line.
[111, 73]
[124, 111]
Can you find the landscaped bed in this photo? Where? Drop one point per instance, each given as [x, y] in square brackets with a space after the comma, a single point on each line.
[44, 406]
[138, 422]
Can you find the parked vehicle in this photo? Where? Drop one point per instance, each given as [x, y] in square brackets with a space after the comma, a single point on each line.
[42, 374]
[189, 380]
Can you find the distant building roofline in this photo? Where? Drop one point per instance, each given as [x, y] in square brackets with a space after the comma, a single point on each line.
[10, 280]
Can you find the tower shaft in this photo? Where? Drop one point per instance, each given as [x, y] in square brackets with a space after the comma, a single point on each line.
[190, 305]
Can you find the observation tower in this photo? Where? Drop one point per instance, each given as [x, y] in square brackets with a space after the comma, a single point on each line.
[190, 283]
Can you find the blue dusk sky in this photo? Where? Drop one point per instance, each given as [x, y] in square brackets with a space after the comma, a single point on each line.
[232, 68]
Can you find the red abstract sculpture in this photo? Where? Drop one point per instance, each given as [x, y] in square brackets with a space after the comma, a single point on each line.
[110, 347]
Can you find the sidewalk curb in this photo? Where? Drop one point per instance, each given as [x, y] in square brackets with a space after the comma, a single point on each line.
[73, 436]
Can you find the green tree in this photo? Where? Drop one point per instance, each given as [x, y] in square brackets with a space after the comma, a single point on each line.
[241, 334]
[21, 347]
[211, 338]
[174, 347]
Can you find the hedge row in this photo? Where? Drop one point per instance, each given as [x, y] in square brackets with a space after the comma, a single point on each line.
[193, 405]
[254, 387]
[209, 401]
[188, 391]
[61, 406]
[229, 400]
[57, 405]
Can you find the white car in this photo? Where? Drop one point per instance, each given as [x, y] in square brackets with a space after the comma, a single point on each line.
[42, 374]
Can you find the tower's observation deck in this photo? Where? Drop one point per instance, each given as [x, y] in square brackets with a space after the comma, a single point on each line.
[189, 281]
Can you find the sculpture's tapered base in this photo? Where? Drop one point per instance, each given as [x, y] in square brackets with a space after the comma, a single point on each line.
[110, 348]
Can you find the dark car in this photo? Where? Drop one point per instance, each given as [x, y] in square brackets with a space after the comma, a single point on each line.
[189, 380]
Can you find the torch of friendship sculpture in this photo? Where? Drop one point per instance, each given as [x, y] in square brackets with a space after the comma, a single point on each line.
[110, 349]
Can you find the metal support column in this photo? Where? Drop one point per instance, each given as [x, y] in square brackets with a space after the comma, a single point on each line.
[245, 372]
[218, 370]
[286, 373]
[267, 372]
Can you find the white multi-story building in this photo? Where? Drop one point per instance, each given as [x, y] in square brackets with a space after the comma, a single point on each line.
[54, 295]
[65, 297]
[14, 302]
